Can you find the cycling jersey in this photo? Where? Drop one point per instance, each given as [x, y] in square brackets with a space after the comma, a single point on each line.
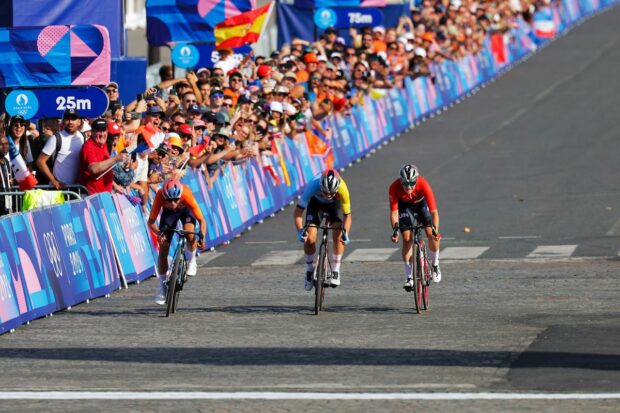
[422, 191]
[313, 189]
[187, 200]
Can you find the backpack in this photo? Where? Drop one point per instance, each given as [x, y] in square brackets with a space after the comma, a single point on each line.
[36, 146]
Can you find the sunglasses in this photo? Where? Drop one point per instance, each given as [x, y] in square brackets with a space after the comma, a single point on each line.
[111, 90]
[177, 123]
[185, 136]
[235, 79]
[165, 129]
[227, 105]
[218, 96]
[19, 123]
[409, 183]
[173, 199]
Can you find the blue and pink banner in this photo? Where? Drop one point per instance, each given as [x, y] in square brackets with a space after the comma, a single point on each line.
[54, 56]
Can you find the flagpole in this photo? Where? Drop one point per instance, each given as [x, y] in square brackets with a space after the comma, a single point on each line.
[262, 31]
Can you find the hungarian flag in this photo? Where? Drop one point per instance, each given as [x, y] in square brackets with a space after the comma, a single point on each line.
[241, 29]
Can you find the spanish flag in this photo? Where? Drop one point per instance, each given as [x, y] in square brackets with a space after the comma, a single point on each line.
[242, 29]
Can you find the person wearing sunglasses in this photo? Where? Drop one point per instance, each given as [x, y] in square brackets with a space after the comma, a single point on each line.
[216, 99]
[176, 202]
[411, 194]
[326, 195]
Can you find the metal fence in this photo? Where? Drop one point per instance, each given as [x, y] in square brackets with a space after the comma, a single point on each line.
[12, 200]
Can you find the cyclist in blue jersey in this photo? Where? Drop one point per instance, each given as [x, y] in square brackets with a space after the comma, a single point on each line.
[326, 194]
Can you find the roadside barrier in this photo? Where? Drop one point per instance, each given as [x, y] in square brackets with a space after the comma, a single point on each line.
[59, 256]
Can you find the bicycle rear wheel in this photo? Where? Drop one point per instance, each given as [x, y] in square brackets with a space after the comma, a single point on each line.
[319, 281]
[417, 284]
[180, 281]
[426, 278]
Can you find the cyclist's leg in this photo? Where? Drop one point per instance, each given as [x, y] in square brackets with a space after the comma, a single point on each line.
[313, 219]
[405, 221]
[334, 212]
[168, 219]
[433, 245]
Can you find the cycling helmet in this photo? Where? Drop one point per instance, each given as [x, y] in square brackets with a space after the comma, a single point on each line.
[330, 181]
[409, 174]
[172, 189]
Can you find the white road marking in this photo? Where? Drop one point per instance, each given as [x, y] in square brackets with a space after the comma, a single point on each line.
[461, 253]
[169, 395]
[281, 257]
[266, 242]
[614, 230]
[207, 257]
[520, 237]
[546, 251]
[371, 254]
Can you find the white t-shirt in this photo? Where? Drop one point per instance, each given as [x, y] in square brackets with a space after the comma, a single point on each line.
[67, 165]
[142, 171]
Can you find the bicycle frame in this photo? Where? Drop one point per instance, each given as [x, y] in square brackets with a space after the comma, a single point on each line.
[419, 263]
[178, 275]
[323, 269]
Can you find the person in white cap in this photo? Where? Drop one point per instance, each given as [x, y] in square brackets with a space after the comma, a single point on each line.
[378, 41]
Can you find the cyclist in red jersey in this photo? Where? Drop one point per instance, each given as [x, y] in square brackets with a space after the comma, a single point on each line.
[177, 203]
[412, 194]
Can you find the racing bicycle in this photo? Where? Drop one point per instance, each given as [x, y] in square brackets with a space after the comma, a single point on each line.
[419, 263]
[178, 275]
[323, 269]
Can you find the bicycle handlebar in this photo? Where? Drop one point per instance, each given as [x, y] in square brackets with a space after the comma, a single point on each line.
[182, 232]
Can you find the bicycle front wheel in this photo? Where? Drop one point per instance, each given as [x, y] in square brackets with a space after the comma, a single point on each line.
[417, 278]
[180, 282]
[171, 296]
[426, 281]
[319, 281]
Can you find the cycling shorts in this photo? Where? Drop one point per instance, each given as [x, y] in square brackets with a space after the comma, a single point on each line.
[316, 210]
[407, 211]
[169, 219]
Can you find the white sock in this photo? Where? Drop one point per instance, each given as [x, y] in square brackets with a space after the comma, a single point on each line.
[336, 259]
[189, 255]
[309, 262]
[408, 270]
[434, 257]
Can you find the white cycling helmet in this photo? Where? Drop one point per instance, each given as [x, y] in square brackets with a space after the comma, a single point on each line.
[330, 181]
[409, 174]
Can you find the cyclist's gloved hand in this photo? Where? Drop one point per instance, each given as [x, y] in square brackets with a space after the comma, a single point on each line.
[344, 237]
[301, 235]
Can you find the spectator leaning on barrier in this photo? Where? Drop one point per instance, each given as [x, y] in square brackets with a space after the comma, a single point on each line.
[95, 161]
[6, 176]
[66, 153]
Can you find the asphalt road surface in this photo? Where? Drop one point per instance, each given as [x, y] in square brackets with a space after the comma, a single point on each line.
[526, 318]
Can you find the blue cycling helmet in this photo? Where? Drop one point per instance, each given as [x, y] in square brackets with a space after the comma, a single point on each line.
[172, 189]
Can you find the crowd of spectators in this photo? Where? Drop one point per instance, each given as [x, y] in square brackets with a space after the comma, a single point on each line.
[235, 110]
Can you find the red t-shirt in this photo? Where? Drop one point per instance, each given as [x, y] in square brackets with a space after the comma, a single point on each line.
[93, 153]
[422, 190]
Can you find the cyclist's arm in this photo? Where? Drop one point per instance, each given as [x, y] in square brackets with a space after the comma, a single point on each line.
[393, 197]
[346, 222]
[190, 201]
[157, 206]
[298, 216]
[345, 199]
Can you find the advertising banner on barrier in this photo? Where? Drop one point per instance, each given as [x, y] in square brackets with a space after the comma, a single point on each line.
[37, 260]
[108, 215]
[76, 271]
[10, 316]
[107, 278]
[136, 236]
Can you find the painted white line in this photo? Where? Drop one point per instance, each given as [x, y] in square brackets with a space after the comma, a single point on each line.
[615, 229]
[282, 257]
[371, 254]
[521, 237]
[462, 253]
[266, 242]
[85, 395]
[208, 257]
[546, 251]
